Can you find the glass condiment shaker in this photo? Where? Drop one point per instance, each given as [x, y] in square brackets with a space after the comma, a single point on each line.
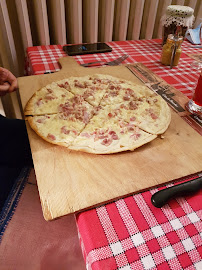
[176, 16]
[172, 50]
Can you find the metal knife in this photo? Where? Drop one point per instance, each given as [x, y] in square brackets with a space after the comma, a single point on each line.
[173, 55]
[163, 196]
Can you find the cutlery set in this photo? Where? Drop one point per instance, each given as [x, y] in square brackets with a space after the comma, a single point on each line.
[115, 62]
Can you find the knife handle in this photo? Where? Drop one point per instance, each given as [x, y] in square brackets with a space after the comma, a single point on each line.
[163, 196]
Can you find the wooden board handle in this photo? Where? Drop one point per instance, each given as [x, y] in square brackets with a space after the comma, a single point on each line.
[68, 61]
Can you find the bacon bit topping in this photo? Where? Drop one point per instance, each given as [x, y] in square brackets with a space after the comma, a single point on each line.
[122, 124]
[64, 85]
[115, 87]
[101, 132]
[40, 120]
[105, 135]
[96, 109]
[122, 106]
[133, 118]
[110, 115]
[132, 105]
[51, 137]
[80, 85]
[96, 80]
[88, 93]
[106, 141]
[49, 90]
[74, 131]
[77, 99]
[152, 114]
[63, 95]
[86, 117]
[64, 130]
[130, 92]
[74, 109]
[126, 97]
[39, 102]
[49, 97]
[114, 93]
[85, 134]
[130, 129]
[102, 137]
[149, 101]
[115, 137]
[135, 136]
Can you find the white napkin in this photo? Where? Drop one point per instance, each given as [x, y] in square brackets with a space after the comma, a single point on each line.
[193, 35]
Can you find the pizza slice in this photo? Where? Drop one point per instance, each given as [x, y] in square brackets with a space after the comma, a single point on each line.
[151, 114]
[47, 99]
[92, 88]
[54, 129]
[106, 136]
[63, 127]
[121, 92]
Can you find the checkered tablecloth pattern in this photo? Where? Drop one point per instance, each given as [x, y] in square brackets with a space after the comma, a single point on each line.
[131, 233]
[41, 59]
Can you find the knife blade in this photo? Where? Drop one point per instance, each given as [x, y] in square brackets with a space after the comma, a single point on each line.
[114, 62]
[161, 197]
[173, 55]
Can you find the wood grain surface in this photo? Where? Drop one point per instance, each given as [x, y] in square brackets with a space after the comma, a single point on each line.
[70, 181]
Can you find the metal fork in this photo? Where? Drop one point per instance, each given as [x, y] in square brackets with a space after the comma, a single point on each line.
[115, 62]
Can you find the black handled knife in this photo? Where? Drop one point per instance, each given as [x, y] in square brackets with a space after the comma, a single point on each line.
[163, 196]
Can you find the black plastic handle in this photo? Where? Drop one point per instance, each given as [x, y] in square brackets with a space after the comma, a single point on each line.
[163, 196]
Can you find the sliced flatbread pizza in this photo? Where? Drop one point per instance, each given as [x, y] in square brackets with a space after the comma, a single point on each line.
[151, 114]
[47, 99]
[106, 137]
[54, 129]
[98, 114]
[120, 92]
[92, 88]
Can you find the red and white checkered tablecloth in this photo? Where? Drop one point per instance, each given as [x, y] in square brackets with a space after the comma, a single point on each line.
[131, 233]
[41, 59]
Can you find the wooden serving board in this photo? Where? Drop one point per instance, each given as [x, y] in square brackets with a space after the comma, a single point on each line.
[70, 181]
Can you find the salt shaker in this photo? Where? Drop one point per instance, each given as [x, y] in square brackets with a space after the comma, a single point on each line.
[172, 50]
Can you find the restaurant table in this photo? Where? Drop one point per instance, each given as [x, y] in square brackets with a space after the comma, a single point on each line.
[130, 233]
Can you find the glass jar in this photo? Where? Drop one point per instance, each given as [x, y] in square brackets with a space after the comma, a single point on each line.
[172, 48]
[176, 16]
